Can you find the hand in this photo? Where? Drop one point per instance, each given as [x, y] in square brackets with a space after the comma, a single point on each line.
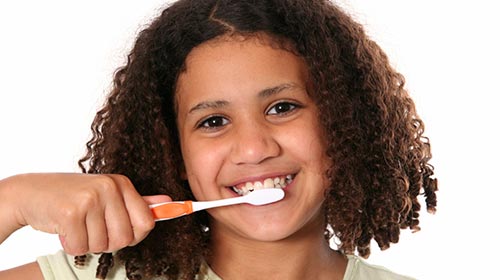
[90, 213]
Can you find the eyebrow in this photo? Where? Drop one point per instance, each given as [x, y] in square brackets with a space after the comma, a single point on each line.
[217, 104]
[209, 105]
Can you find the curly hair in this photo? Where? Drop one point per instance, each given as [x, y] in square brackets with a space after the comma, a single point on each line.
[375, 137]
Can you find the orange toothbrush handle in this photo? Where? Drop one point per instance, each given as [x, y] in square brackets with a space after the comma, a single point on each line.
[172, 210]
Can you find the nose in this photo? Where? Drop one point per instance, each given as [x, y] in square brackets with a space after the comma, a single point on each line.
[253, 144]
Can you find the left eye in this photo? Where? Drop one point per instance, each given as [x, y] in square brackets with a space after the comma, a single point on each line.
[281, 108]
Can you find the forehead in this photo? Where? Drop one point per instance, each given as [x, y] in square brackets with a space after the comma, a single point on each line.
[236, 63]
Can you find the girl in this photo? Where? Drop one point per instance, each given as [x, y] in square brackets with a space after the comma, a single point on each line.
[219, 98]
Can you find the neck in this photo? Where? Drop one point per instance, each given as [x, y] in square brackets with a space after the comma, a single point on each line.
[304, 255]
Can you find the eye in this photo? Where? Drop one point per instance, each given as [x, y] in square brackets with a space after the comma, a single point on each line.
[213, 122]
[282, 108]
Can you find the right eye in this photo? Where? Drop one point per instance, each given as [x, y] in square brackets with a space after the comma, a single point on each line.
[213, 122]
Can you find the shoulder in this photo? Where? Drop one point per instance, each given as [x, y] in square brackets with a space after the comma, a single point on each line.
[61, 266]
[358, 269]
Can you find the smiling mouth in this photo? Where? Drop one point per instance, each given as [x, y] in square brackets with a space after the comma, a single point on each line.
[269, 183]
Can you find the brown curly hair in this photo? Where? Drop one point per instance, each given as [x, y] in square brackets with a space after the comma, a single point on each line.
[375, 137]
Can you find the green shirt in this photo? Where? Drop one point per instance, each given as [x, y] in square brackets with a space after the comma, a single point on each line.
[60, 266]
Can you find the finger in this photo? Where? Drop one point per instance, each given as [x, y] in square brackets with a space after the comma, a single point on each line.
[140, 214]
[97, 231]
[119, 227]
[74, 237]
[153, 199]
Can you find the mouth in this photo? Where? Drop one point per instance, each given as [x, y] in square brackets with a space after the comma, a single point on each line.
[268, 183]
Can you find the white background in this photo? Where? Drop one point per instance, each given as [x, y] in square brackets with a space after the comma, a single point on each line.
[57, 59]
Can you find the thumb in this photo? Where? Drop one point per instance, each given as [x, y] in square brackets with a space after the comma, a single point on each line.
[153, 199]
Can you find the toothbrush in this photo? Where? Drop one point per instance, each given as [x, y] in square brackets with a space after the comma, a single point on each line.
[169, 210]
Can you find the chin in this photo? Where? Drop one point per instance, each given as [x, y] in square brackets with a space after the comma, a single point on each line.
[267, 231]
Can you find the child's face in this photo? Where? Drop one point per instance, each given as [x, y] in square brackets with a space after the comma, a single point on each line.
[244, 115]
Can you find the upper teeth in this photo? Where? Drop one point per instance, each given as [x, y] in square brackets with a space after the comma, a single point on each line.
[278, 182]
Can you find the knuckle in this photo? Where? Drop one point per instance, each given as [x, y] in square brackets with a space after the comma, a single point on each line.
[107, 184]
[122, 180]
[68, 213]
[88, 199]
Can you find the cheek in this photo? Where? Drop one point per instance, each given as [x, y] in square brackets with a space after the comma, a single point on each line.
[317, 156]
[202, 162]
[309, 145]
[306, 138]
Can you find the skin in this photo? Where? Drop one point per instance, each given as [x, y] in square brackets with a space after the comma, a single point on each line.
[98, 213]
[244, 115]
[243, 107]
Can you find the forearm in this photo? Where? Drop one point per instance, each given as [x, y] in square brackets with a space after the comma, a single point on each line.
[28, 271]
[9, 195]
